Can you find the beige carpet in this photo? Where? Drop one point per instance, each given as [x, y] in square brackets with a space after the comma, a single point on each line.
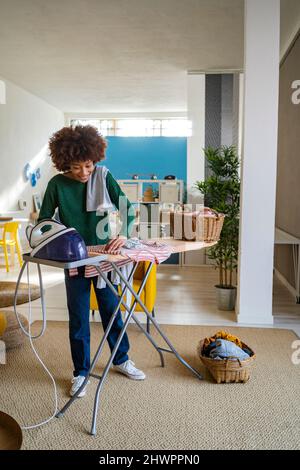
[7, 293]
[171, 409]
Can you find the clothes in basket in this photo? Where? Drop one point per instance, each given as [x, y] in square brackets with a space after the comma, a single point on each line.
[224, 349]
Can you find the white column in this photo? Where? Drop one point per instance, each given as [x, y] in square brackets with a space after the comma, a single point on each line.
[195, 154]
[236, 111]
[195, 143]
[259, 160]
[2, 92]
[241, 114]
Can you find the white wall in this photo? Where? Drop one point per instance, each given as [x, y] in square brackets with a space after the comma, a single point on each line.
[290, 24]
[195, 153]
[195, 143]
[26, 123]
[259, 162]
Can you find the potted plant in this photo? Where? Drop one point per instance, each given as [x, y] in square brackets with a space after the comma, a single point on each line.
[221, 191]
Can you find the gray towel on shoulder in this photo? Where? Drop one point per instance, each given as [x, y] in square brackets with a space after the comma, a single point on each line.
[97, 197]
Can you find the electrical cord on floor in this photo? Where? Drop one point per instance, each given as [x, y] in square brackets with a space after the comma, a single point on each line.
[31, 337]
[42, 301]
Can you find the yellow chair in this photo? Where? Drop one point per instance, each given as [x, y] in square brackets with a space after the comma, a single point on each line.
[11, 228]
[148, 294]
[3, 323]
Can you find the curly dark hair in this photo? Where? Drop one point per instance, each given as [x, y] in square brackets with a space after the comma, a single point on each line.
[76, 144]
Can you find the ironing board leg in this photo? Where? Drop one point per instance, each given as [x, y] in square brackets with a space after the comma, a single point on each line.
[100, 348]
[158, 349]
[172, 349]
[130, 310]
[106, 370]
[104, 374]
[109, 363]
[162, 360]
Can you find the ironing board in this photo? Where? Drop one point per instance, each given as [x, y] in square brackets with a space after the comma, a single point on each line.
[177, 246]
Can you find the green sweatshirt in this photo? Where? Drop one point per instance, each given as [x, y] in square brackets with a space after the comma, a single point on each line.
[69, 196]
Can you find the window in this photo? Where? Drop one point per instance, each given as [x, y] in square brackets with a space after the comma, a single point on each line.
[176, 127]
[104, 126]
[135, 127]
[173, 127]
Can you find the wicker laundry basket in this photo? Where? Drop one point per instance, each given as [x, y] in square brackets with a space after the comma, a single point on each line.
[204, 225]
[228, 370]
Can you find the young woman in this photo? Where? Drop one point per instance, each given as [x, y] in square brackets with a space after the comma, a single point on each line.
[74, 153]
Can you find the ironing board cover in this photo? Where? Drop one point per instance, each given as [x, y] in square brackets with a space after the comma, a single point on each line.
[148, 250]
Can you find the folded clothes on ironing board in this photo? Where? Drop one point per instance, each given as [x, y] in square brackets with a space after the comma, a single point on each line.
[133, 250]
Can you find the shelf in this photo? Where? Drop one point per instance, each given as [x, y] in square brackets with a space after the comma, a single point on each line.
[168, 191]
[148, 202]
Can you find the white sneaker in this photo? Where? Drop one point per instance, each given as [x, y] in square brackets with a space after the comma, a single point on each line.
[132, 372]
[77, 382]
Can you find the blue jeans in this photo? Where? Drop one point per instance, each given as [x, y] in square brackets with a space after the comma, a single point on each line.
[78, 297]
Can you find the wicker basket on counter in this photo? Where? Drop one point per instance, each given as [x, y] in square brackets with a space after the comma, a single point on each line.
[230, 369]
[204, 225]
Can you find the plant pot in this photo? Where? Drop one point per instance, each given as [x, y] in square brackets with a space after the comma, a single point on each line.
[226, 297]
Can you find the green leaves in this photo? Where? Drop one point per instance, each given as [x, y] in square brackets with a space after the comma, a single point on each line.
[221, 192]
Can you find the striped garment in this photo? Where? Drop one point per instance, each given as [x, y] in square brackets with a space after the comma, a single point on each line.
[153, 251]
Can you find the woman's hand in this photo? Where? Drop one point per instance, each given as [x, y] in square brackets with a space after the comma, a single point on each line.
[114, 246]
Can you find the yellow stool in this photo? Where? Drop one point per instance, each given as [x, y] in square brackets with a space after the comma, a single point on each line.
[148, 294]
[11, 228]
[3, 323]
[12, 335]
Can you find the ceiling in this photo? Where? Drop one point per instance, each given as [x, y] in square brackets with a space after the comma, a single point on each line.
[113, 56]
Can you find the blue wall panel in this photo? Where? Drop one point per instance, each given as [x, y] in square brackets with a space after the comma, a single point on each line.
[162, 156]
